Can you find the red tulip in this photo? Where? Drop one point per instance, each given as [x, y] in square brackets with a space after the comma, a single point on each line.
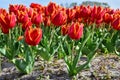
[36, 18]
[59, 19]
[108, 18]
[33, 36]
[97, 14]
[75, 31]
[77, 14]
[116, 24]
[22, 17]
[8, 20]
[3, 11]
[37, 7]
[30, 11]
[51, 8]
[4, 29]
[47, 21]
[13, 8]
[26, 24]
[70, 14]
[3, 26]
[85, 11]
[64, 29]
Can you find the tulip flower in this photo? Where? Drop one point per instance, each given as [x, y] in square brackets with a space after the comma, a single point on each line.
[85, 11]
[64, 29]
[108, 18]
[4, 29]
[97, 14]
[26, 24]
[37, 7]
[30, 11]
[22, 17]
[36, 18]
[70, 14]
[51, 8]
[13, 8]
[7, 21]
[47, 21]
[116, 24]
[59, 19]
[75, 31]
[33, 36]
[3, 11]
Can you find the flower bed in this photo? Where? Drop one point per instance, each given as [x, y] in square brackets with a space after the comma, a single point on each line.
[55, 31]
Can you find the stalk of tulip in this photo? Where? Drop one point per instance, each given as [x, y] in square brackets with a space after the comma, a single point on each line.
[49, 45]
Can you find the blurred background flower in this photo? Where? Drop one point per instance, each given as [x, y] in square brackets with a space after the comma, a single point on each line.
[5, 3]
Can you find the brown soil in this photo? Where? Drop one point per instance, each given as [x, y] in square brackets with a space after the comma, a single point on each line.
[105, 67]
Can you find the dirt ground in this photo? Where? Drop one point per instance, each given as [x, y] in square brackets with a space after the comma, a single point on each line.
[103, 67]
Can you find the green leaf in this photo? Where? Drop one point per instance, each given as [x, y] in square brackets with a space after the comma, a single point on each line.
[65, 48]
[85, 50]
[3, 51]
[6, 52]
[16, 45]
[44, 54]
[23, 66]
[115, 37]
[110, 46]
[76, 59]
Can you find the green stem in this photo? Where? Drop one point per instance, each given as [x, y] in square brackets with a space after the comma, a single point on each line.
[20, 25]
[51, 36]
[0, 63]
[90, 58]
[73, 43]
[93, 28]
[0, 54]
[85, 42]
[73, 71]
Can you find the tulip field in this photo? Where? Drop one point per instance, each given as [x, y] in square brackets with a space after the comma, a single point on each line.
[54, 35]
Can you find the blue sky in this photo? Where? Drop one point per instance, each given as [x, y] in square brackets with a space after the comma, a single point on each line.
[5, 3]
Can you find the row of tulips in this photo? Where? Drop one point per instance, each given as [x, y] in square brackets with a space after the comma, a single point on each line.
[27, 32]
[57, 15]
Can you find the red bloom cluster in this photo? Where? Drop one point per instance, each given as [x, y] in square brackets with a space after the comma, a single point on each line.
[71, 20]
